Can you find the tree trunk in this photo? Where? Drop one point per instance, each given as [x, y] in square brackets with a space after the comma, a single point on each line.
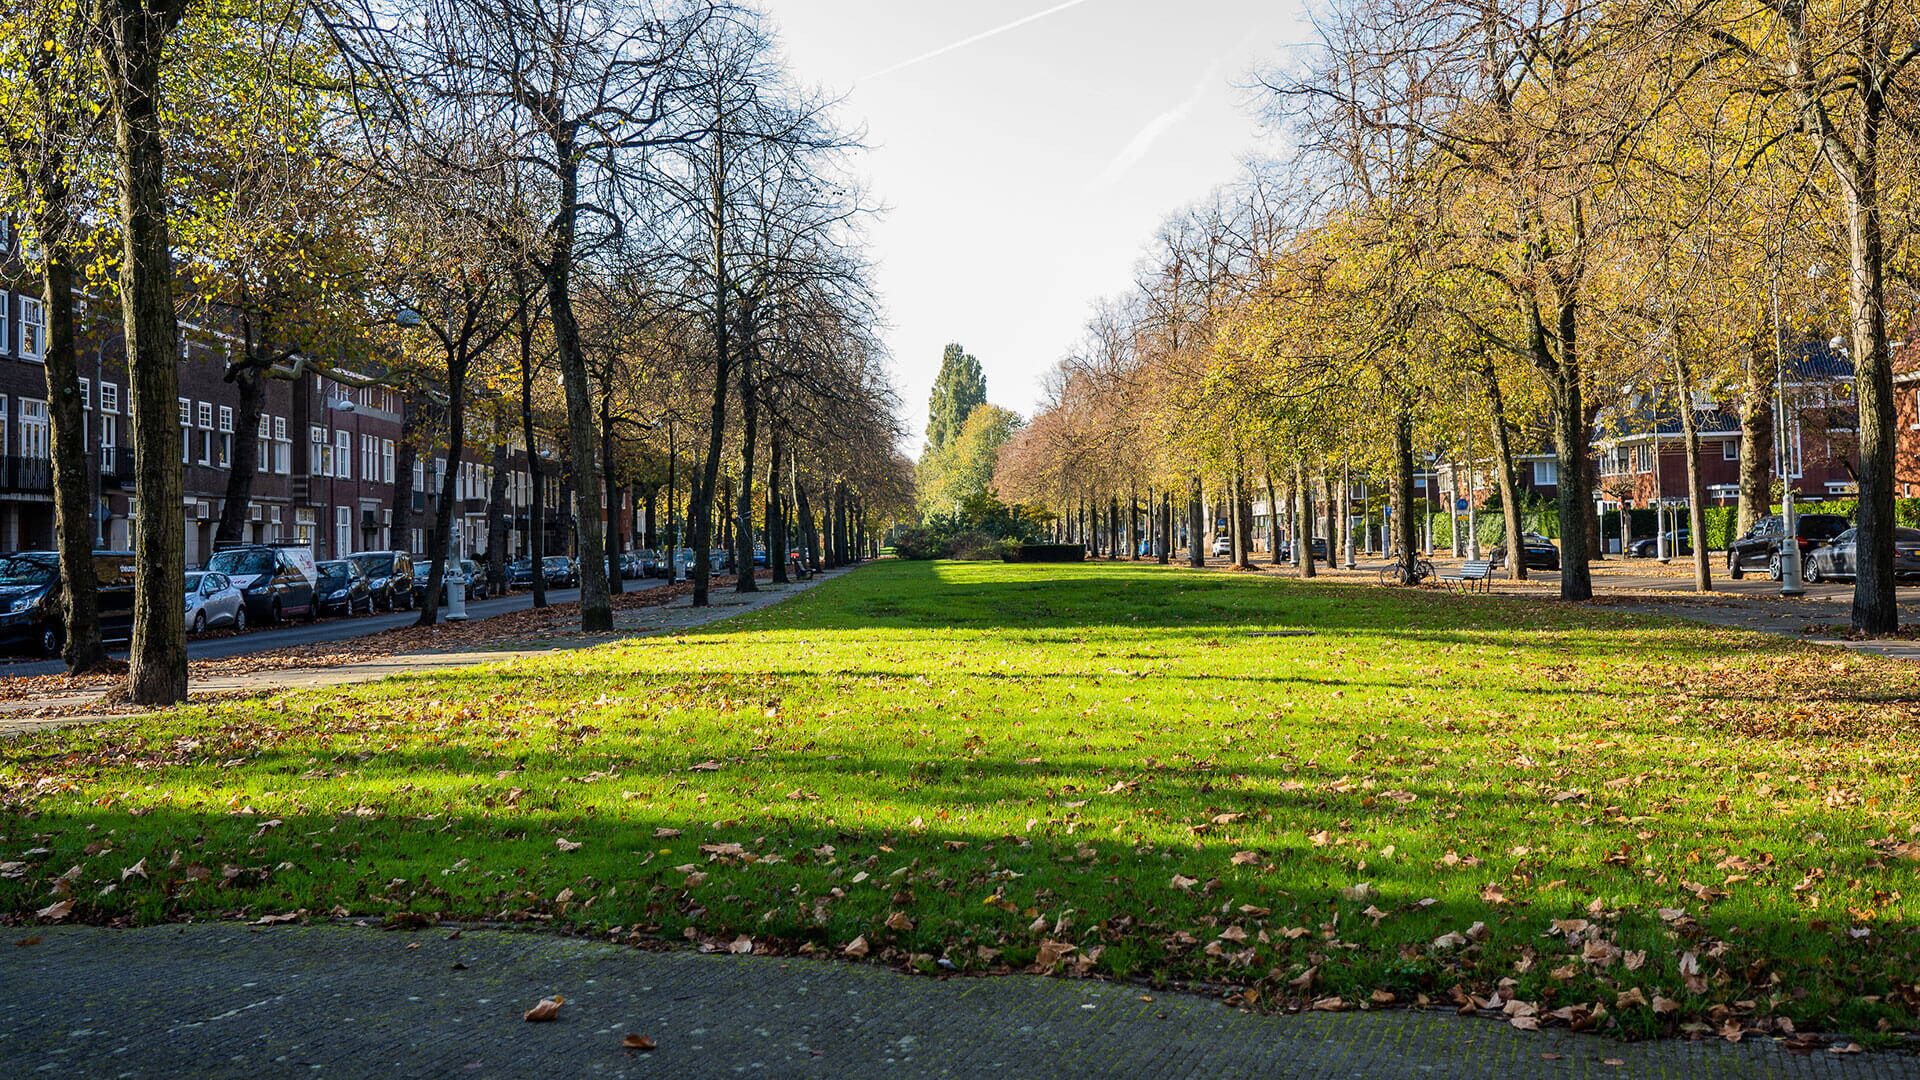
[245, 462]
[1509, 482]
[1570, 435]
[81, 646]
[776, 513]
[596, 603]
[615, 539]
[405, 454]
[1696, 483]
[1273, 519]
[1756, 442]
[1303, 542]
[809, 535]
[440, 541]
[133, 43]
[1406, 533]
[1875, 610]
[536, 479]
[749, 433]
[1196, 552]
[499, 527]
[1166, 526]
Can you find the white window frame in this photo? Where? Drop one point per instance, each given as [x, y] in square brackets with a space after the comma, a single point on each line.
[343, 454]
[34, 416]
[86, 393]
[109, 397]
[1545, 473]
[386, 459]
[109, 441]
[33, 329]
[320, 453]
[1730, 450]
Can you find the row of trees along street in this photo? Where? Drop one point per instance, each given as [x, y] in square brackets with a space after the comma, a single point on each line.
[621, 221]
[1495, 222]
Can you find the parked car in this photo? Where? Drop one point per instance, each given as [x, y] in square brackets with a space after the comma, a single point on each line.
[561, 572]
[1536, 553]
[1760, 548]
[650, 563]
[1679, 542]
[1222, 547]
[477, 588]
[389, 577]
[212, 601]
[1318, 547]
[760, 555]
[32, 613]
[1838, 558]
[276, 580]
[343, 588]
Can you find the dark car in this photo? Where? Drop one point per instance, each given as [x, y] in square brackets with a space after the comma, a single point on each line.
[560, 571]
[342, 588]
[389, 577]
[520, 574]
[476, 579]
[1838, 559]
[650, 563]
[1679, 542]
[277, 581]
[32, 611]
[1536, 553]
[760, 555]
[1318, 547]
[1760, 548]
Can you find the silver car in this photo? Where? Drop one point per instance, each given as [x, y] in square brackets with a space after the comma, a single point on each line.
[212, 601]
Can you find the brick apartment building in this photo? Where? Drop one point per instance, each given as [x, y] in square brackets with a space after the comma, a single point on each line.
[327, 452]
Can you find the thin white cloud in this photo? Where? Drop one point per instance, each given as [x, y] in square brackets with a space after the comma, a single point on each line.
[1142, 142]
[982, 36]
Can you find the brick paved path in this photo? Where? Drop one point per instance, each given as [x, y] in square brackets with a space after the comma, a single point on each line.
[229, 1000]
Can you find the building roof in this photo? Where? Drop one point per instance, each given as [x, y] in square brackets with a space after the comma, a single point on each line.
[1662, 419]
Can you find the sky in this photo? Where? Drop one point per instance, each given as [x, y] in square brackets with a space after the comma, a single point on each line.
[1024, 151]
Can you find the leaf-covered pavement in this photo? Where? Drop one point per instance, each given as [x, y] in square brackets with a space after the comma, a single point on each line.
[1563, 816]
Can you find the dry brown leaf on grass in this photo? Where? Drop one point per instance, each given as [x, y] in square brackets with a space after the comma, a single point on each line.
[548, 1009]
[856, 948]
[566, 845]
[55, 911]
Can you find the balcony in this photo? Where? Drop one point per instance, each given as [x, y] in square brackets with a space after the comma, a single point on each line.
[26, 475]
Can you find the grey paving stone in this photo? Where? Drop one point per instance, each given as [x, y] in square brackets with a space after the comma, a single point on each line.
[228, 1000]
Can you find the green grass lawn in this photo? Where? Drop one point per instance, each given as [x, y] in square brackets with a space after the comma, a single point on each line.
[1102, 769]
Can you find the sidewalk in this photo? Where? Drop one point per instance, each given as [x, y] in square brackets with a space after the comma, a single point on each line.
[230, 1000]
[677, 616]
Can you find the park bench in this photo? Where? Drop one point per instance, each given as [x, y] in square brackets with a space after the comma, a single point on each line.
[1477, 574]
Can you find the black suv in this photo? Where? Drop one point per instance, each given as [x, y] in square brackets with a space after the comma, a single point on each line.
[1760, 548]
[33, 616]
[275, 581]
[389, 577]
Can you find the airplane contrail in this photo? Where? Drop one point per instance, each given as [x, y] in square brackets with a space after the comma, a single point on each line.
[982, 36]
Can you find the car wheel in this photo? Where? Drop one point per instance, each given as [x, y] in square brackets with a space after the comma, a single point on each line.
[50, 642]
[273, 616]
[1812, 575]
[240, 619]
[1773, 568]
[313, 609]
[199, 622]
[1734, 570]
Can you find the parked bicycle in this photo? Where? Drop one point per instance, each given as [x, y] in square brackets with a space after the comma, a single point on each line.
[1397, 573]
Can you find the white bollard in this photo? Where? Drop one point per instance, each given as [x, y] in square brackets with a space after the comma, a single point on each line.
[456, 605]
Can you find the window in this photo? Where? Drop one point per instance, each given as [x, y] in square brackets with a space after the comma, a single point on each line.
[419, 475]
[226, 436]
[33, 428]
[109, 442]
[1546, 473]
[282, 447]
[5, 446]
[320, 458]
[86, 393]
[226, 419]
[186, 348]
[386, 460]
[1730, 450]
[343, 454]
[369, 457]
[109, 397]
[203, 414]
[186, 430]
[33, 329]
[342, 531]
[263, 444]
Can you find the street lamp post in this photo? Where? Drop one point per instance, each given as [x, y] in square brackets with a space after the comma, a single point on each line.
[1789, 525]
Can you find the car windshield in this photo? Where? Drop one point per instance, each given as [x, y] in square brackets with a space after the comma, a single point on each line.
[556, 560]
[193, 582]
[1822, 526]
[242, 563]
[29, 569]
[1905, 536]
[373, 565]
[334, 572]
